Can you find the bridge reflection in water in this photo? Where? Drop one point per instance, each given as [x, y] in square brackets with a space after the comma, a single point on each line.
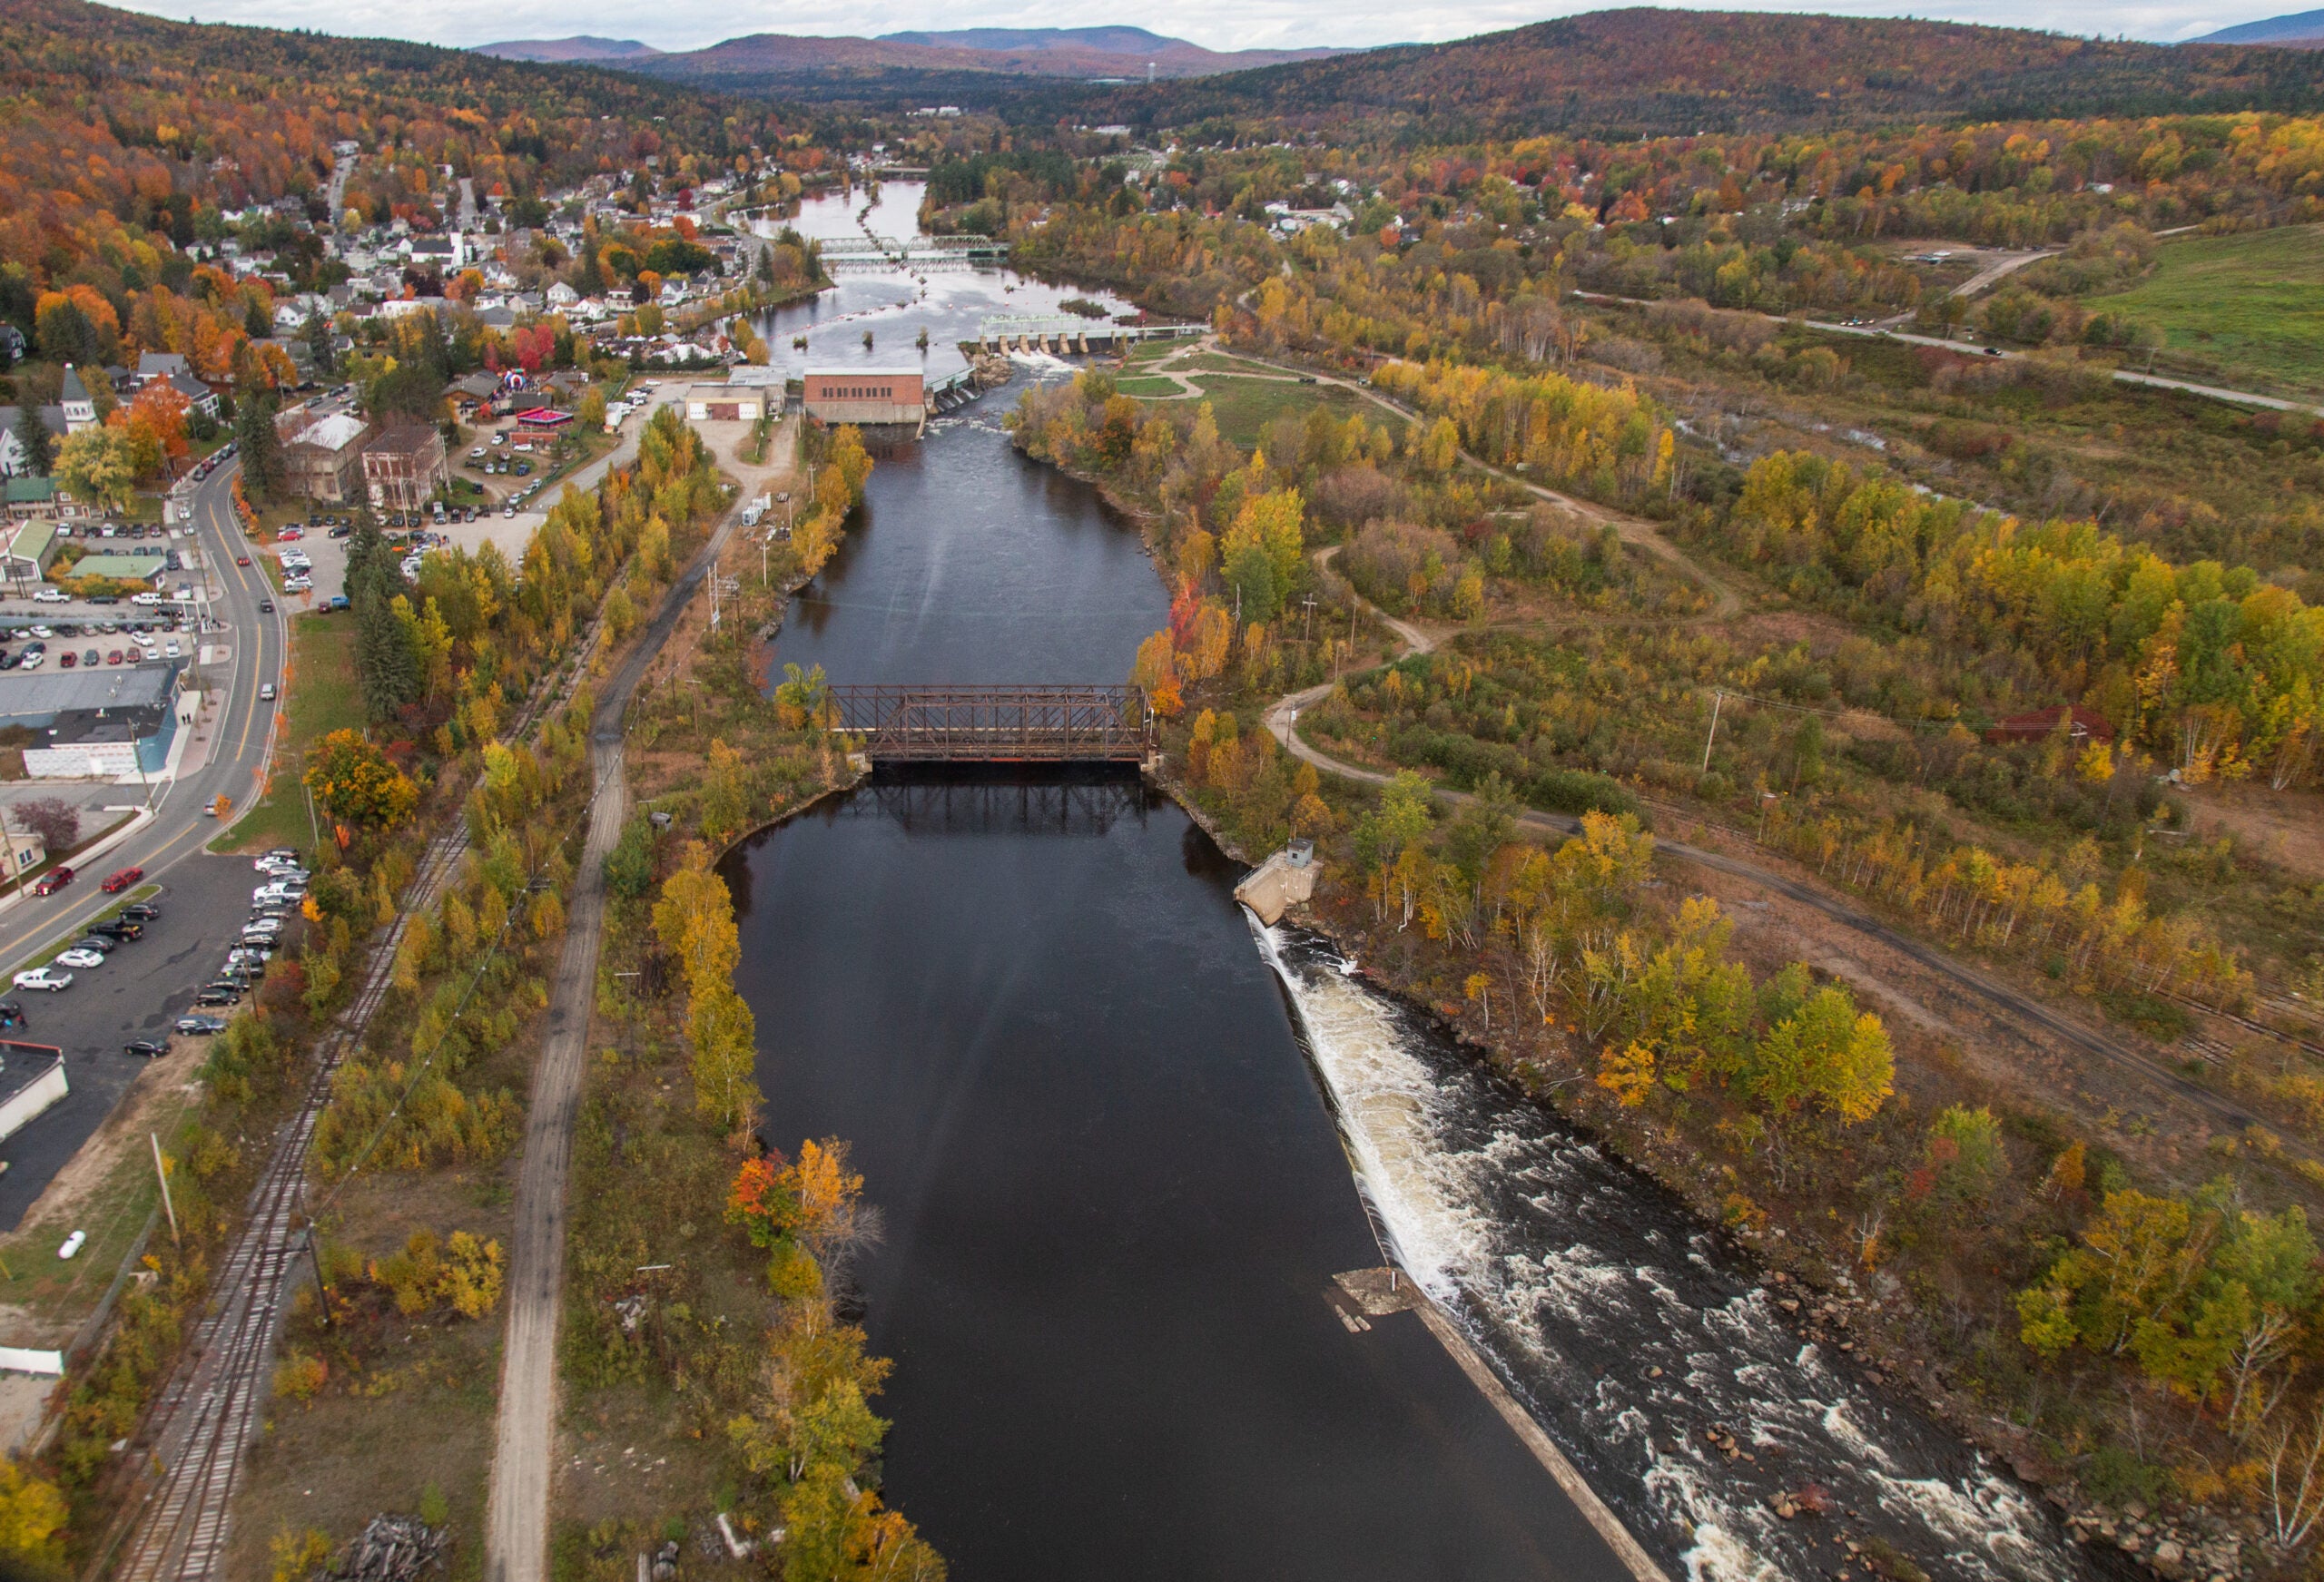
[997, 724]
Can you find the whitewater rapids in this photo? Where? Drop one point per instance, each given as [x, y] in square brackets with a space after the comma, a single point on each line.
[1576, 1274]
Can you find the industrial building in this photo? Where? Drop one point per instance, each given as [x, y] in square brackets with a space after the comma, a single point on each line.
[103, 724]
[726, 403]
[865, 395]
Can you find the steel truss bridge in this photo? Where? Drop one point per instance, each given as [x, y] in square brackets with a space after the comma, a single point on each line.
[996, 724]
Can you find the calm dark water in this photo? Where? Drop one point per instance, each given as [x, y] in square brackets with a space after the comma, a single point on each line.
[1113, 1200]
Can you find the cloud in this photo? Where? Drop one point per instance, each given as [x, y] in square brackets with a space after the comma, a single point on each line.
[1223, 24]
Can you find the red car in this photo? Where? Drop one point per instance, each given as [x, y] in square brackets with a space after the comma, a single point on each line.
[54, 880]
[291, 535]
[241, 560]
[116, 882]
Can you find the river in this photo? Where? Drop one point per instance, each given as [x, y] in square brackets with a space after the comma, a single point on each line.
[1122, 1140]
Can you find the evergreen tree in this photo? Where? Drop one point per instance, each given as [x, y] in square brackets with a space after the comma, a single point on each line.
[384, 661]
[39, 444]
[318, 343]
[263, 477]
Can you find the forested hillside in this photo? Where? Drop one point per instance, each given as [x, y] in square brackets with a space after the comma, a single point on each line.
[125, 137]
[1674, 72]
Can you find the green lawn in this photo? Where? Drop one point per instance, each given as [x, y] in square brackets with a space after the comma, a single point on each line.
[2252, 301]
[1148, 386]
[319, 696]
[1244, 407]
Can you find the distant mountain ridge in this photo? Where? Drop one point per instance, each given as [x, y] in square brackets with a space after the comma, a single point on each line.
[1663, 72]
[776, 61]
[2301, 30]
[581, 49]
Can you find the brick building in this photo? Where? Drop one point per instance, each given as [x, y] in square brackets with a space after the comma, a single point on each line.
[404, 468]
[865, 395]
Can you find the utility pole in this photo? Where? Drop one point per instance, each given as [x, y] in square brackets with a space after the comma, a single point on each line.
[162, 1174]
[1308, 604]
[1717, 698]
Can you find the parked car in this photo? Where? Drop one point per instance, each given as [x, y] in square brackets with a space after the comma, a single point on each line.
[114, 656]
[54, 880]
[276, 854]
[120, 878]
[141, 912]
[12, 1012]
[145, 1048]
[341, 532]
[90, 656]
[68, 660]
[200, 1027]
[215, 996]
[75, 958]
[102, 944]
[122, 928]
[44, 978]
[49, 597]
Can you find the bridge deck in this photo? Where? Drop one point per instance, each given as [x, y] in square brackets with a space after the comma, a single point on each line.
[997, 724]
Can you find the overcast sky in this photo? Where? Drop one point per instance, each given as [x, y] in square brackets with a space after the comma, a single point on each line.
[1217, 23]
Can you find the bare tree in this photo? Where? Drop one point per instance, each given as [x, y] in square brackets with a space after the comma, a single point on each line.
[2295, 1457]
[2263, 1341]
[56, 821]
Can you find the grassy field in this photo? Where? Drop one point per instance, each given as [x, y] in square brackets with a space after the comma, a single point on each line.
[1244, 407]
[1149, 387]
[108, 1190]
[2250, 302]
[319, 695]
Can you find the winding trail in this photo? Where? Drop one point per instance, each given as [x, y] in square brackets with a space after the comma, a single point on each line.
[1282, 720]
[1639, 532]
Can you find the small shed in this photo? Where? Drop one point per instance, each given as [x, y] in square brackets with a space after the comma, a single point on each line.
[2082, 724]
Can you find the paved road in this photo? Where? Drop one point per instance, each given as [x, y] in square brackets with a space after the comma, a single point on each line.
[517, 1509]
[206, 898]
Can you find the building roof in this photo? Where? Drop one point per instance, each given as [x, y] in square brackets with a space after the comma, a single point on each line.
[27, 491]
[191, 389]
[31, 541]
[544, 418]
[114, 722]
[74, 390]
[141, 566]
[51, 417]
[2085, 723]
[848, 371]
[161, 365]
[336, 432]
[55, 692]
[756, 376]
[403, 439]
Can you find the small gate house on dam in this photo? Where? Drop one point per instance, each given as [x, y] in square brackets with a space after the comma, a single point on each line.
[846, 394]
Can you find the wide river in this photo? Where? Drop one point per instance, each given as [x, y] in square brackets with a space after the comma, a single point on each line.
[1122, 1140]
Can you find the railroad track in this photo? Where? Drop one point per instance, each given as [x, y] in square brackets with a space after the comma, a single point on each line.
[200, 1428]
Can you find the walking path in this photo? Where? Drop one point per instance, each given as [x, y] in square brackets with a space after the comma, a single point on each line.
[1282, 718]
[517, 1507]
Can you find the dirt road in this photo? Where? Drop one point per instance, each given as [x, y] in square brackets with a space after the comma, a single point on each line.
[1282, 718]
[517, 1509]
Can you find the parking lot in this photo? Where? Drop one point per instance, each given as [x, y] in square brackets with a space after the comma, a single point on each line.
[141, 990]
